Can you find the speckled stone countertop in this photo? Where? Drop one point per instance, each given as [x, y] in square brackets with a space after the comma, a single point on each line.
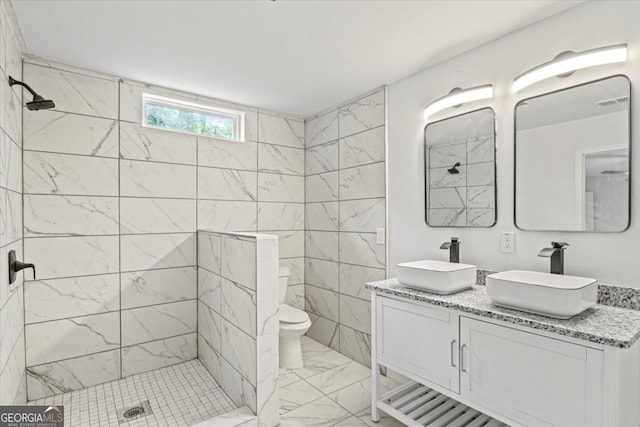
[602, 324]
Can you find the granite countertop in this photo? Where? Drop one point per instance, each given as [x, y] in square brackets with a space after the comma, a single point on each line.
[602, 324]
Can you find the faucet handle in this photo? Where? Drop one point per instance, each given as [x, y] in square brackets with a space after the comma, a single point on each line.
[455, 240]
[559, 245]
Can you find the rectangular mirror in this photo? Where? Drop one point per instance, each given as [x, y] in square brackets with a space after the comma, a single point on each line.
[572, 158]
[460, 170]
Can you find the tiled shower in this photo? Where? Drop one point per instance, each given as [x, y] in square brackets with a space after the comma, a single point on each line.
[109, 212]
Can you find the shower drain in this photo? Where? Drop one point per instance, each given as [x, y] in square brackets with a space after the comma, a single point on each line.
[134, 412]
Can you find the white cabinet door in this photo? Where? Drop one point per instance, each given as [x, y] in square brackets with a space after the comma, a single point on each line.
[532, 379]
[419, 340]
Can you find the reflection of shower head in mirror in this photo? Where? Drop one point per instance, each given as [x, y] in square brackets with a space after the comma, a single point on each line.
[454, 169]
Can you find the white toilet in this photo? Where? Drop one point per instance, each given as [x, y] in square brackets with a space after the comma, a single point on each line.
[294, 324]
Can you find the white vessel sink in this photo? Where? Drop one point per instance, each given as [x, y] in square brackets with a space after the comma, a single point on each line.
[439, 277]
[553, 295]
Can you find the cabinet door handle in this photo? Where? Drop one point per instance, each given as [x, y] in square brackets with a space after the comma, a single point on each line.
[462, 358]
[453, 363]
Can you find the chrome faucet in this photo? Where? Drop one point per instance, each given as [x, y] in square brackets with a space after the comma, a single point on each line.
[454, 249]
[556, 253]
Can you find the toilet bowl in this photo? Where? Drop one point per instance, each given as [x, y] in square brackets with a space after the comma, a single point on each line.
[294, 324]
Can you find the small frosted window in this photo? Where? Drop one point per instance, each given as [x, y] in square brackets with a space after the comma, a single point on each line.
[186, 117]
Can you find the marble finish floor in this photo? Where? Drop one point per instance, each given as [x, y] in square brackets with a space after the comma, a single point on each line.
[330, 390]
[179, 395]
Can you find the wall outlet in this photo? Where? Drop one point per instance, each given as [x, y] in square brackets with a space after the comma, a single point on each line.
[380, 236]
[508, 242]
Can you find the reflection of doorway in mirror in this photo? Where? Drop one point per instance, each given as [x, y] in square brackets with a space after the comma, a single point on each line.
[602, 184]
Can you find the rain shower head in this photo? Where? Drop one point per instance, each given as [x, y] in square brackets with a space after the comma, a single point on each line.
[38, 102]
[454, 169]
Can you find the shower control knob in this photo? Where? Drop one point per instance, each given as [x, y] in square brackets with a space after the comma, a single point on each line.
[15, 266]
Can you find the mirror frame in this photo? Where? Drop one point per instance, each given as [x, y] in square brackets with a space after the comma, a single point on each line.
[515, 157]
[495, 170]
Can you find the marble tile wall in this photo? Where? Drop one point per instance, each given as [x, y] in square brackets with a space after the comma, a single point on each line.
[238, 325]
[345, 204]
[12, 355]
[111, 211]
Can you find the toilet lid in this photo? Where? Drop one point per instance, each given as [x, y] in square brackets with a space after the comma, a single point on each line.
[292, 315]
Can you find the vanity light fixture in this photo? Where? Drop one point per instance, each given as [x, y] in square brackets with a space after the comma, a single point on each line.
[568, 62]
[457, 97]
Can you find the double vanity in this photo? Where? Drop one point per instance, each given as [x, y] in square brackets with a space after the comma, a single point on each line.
[527, 349]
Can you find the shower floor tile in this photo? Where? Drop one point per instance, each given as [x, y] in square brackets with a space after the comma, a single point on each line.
[179, 395]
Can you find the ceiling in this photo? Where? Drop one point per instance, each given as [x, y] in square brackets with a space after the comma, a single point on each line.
[297, 57]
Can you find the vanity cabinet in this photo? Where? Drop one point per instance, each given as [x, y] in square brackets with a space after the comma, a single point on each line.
[519, 376]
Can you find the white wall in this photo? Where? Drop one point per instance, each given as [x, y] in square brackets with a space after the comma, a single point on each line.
[587, 26]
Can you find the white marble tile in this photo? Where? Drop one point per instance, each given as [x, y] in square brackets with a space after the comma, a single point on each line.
[12, 376]
[446, 155]
[481, 196]
[322, 245]
[142, 143]
[156, 322]
[236, 386]
[11, 319]
[295, 296]
[143, 215]
[267, 392]
[363, 148]
[8, 290]
[64, 339]
[226, 184]
[238, 305]
[209, 250]
[12, 113]
[13, 55]
[91, 255]
[322, 216]
[158, 354]
[322, 302]
[296, 268]
[58, 132]
[481, 173]
[356, 398]
[54, 299]
[239, 349]
[481, 217]
[210, 358]
[227, 216]
[250, 125]
[210, 326]
[13, 218]
[209, 289]
[10, 164]
[364, 215]
[280, 188]
[296, 394]
[280, 216]
[228, 154]
[355, 313]
[238, 261]
[47, 173]
[447, 217]
[441, 178]
[448, 198]
[318, 357]
[322, 158]
[322, 187]
[385, 421]
[363, 114]
[75, 93]
[69, 215]
[353, 278]
[351, 422]
[153, 251]
[3, 219]
[481, 149]
[290, 243]
[278, 159]
[339, 377]
[148, 179]
[72, 374]
[356, 345]
[322, 129]
[362, 249]
[362, 182]
[323, 412]
[149, 287]
[321, 273]
[280, 130]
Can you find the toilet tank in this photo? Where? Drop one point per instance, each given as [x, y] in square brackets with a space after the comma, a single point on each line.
[284, 283]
